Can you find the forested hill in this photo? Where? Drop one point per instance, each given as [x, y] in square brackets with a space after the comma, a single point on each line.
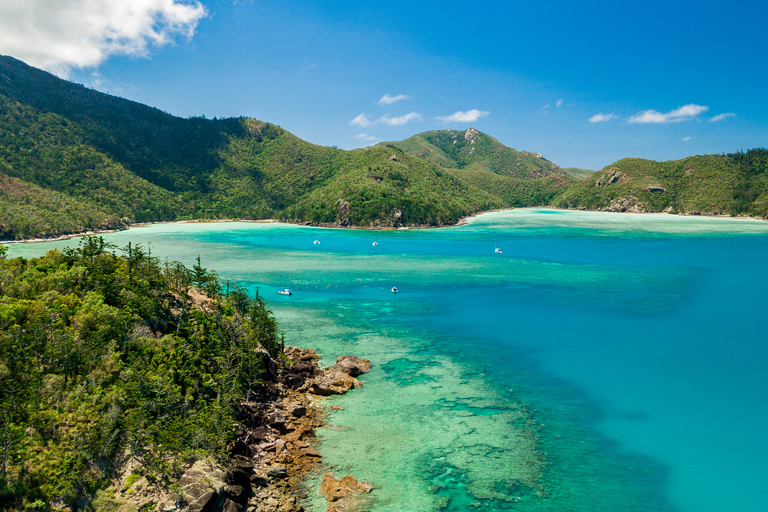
[473, 150]
[733, 184]
[112, 361]
[73, 159]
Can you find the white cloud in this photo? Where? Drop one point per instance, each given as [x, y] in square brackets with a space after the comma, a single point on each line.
[464, 117]
[362, 119]
[600, 118]
[720, 117]
[684, 113]
[559, 103]
[365, 136]
[545, 107]
[397, 121]
[686, 139]
[388, 100]
[62, 34]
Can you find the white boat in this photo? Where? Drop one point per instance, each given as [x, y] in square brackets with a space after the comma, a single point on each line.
[375, 243]
[497, 250]
[285, 291]
[394, 289]
[316, 242]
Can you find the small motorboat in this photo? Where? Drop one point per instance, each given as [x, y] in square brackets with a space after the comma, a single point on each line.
[316, 242]
[394, 289]
[285, 291]
[375, 243]
[497, 250]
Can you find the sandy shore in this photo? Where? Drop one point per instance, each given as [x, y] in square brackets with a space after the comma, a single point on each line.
[461, 222]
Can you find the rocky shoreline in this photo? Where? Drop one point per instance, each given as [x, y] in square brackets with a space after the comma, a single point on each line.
[275, 450]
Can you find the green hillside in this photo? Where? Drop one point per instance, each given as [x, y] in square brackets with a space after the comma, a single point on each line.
[79, 160]
[733, 184]
[73, 159]
[475, 151]
[106, 358]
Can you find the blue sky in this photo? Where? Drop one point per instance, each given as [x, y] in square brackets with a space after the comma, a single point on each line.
[584, 83]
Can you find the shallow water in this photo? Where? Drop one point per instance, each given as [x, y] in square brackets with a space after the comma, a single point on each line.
[603, 362]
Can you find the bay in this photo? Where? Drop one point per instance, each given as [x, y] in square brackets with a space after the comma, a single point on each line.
[601, 362]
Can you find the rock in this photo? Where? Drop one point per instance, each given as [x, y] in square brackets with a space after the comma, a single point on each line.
[471, 135]
[259, 480]
[351, 365]
[297, 410]
[277, 472]
[201, 486]
[269, 365]
[333, 383]
[344, 494]
[342, 217]
[259, 433]
[237, 493]
[276, 420]
[231, 506]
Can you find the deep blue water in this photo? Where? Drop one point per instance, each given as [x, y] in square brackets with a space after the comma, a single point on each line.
[602, 362]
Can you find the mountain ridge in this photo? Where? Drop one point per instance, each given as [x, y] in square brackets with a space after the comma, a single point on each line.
[73, 159]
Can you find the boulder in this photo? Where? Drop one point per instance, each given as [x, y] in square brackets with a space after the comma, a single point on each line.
[351, 365]
[202, 486]
[345, 494]
[259, 480]
[277, 472]
[333, 383]
[297, 410]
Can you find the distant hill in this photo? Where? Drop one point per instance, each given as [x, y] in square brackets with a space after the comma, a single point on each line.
[519, 178]
[74, 159]
[733, 184]
[472, 150]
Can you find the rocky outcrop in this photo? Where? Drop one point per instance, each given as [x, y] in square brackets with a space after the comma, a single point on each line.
[625, 204]
[275, 448]
[346, 494]
[339, 378]
[610, 177]
[342, 217]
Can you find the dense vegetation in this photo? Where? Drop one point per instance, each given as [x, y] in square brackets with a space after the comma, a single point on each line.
[733, 184]
[472, 150]
[107, 357]
[74, 159]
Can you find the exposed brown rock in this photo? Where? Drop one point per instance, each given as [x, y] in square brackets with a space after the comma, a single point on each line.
[275, 449]
[347, 494]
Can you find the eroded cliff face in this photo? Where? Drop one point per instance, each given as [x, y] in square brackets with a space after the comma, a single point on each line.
[274, 452]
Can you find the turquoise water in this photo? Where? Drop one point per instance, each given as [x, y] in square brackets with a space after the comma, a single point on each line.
[603, 362]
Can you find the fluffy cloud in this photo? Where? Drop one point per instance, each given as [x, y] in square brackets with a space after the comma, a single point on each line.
[720, 117]
[397, 121]
[388, 100]
[600, 118]
[362, 120]
[464, 117]
[62, 34]
[684, 113]
[365, 136]
[559, 103]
